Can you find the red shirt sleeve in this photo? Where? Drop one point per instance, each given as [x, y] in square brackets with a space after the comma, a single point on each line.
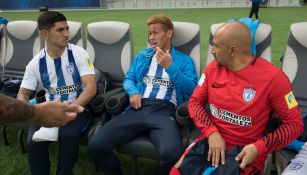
[284, 104]
[197, 107]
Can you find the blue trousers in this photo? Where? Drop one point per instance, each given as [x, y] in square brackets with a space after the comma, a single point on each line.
[69, 135]
[155, 118]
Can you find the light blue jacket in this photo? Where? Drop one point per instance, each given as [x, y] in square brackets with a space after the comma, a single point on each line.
[181, 72]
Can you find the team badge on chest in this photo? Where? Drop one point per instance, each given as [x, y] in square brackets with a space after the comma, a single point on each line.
[248, 94]
[70, 68]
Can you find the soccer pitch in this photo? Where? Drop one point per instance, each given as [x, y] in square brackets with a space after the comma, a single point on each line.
[280, 19]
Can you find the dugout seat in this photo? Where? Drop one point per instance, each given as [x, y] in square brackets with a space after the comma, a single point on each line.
[21, 46]
[2, 55]
[2, 49]
[109, 43]
[294, 65]
[262, 39]
[186, 39]
[75, 33]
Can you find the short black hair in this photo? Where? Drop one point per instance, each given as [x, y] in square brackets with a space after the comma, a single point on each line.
[47, 19]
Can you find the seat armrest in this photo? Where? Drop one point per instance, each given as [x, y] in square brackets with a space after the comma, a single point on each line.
[98, 103]
[183, 116]
[117, 103]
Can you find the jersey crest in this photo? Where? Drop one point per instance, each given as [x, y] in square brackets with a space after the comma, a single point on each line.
[70, 68]
[296, 165]
[248, 94]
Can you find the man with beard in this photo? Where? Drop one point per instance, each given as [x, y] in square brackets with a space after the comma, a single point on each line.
[242, 92]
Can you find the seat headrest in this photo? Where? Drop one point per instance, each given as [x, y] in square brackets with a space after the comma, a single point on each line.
[184, 32]
[114, 31]
[299, 32]
[22, 29]
[74, 27]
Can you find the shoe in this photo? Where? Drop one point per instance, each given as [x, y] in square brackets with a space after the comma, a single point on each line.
[46, 134]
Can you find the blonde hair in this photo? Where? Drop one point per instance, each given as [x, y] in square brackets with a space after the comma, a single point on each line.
[161, 19]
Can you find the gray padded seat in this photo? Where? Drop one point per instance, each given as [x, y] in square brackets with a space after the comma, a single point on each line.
[262, 38]
[186, 39]
[23, 42]
[109, 43]
[295, 62]
[2, 48]
[294, 65]
[75, 33]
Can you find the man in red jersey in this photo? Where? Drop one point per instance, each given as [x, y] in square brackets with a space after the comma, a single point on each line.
[242, 92]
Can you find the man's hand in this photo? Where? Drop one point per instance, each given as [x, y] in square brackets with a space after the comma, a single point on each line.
[247, 155]
[217, 149]
[136, 101]
[163, 58]
[55, 113]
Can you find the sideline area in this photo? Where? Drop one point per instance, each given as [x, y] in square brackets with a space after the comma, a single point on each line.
[280, 19]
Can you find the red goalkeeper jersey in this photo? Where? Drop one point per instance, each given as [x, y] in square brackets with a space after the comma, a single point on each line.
[241, 103]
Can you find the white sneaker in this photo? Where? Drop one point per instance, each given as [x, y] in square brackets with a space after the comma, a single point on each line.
[46, 134]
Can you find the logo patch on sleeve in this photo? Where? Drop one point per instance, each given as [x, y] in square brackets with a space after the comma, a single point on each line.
[202, 79]
[89, 62]
[290, 99]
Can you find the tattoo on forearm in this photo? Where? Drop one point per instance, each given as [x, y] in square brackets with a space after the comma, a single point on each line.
[24, 94]
[12, 110]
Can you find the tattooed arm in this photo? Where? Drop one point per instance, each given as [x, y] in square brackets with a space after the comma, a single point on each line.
[12, 110]
[24, 94]
[47, 114]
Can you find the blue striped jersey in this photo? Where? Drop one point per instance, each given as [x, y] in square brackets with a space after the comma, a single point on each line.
[60, 77]
[157, 83]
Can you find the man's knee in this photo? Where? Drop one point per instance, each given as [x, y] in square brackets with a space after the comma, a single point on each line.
[171, 154]
[97, 148]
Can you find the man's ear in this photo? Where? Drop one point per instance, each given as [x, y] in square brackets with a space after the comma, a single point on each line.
[232, 50]
[44, 34]
[170, 34]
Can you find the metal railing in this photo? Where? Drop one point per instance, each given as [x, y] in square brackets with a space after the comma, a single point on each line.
[147, 4]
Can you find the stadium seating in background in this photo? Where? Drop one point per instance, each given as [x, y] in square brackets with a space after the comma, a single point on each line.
[262, 38]
[76, 33]
[2, 55]
[23, 42]
[2, 49]
[294, 65]
[109, 43]
[186, 39]
[22, 45]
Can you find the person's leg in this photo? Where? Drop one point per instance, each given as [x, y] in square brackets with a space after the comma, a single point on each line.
[114, 133]
[252, 11]
[257, 10]
[69, 136]
[298, 165]
[166, 136]
[194, 159]
[38, 157]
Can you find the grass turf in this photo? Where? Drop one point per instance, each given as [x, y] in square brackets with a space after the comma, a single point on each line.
[12, 162]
